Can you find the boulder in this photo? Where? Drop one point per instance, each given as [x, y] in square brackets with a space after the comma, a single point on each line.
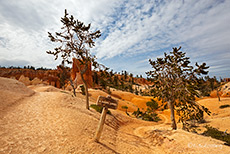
[24, 80]
[36, 81]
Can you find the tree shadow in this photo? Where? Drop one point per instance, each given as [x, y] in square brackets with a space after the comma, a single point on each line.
[108, 147]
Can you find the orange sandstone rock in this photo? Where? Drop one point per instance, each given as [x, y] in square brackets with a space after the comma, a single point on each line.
[213, 94]
[75, 73]
[28, 75]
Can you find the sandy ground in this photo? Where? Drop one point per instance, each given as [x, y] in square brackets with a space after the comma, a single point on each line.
[220, 118]
[50, 120]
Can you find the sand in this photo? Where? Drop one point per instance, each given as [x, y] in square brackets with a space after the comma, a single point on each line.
[47, 120]
[11, 92]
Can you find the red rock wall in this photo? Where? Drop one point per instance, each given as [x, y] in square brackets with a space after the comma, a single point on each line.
[76, 73]
[44, 75]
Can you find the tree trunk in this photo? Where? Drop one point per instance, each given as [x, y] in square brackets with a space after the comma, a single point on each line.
[217, 91]
[173, 121]
[74, 89]
[86, 92]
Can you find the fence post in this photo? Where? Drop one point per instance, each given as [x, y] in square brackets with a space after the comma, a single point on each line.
[101, 124]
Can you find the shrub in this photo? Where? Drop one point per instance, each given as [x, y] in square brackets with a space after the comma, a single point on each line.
[82, 90]
[215, 133]
[148, 115]
[224, 106]
[153, 105]
[126, 108]
[98, 108]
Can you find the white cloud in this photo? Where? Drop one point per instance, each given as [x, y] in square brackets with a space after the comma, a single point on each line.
[129, 28]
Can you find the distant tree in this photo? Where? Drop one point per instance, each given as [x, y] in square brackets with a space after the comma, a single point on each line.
[32, 68]
[115, 80]
[95, 77]
[122, 85]
[131, 75]
[75, 41]
[175, 83]
[136, 91]
[64, 75]
[102, 83]
[125, 74]
[207, 84]
[130, 88]
[111, 73]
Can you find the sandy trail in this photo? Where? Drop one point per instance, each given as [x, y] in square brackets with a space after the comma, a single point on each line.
[35, 125]
[50, 122]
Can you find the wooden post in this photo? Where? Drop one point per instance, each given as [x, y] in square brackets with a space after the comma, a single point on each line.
[101, 124]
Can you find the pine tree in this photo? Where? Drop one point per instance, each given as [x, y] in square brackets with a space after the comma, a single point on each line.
[76, 39]
[175, 83]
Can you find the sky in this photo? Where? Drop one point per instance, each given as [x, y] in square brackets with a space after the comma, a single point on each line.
[133, 31]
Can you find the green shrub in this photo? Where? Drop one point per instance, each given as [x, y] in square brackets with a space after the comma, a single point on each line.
[224, 106]
[138, 113]
[98, 108]
[215, 133]
[152, 105]
[148, 115]
[82, 90]
[124, 107]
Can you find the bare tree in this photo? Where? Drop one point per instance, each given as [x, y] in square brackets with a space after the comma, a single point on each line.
[75, 41]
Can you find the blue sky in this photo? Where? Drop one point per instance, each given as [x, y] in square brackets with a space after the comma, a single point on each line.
[133, 31]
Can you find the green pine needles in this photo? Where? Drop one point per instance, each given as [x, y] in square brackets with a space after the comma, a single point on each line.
[175, 82]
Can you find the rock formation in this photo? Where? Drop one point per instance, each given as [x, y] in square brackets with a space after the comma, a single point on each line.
[30, 76]
[75, 74]
[36, 81]
[224, 92]
[24, 80]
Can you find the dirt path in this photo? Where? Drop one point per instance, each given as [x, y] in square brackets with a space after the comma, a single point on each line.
[47, 122]
[34, 125]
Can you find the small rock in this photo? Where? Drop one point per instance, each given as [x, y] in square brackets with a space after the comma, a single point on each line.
[41, 149]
